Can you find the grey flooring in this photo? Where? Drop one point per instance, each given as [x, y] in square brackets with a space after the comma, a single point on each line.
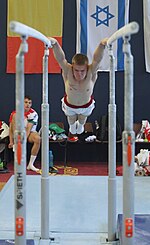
[78, 208]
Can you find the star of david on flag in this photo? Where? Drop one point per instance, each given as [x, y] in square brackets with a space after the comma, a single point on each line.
[98, 19]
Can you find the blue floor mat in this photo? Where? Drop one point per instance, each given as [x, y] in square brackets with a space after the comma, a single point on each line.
[8, 242]
[142, 230]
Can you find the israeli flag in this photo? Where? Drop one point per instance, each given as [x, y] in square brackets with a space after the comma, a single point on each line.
[146, 20]
[98, 19]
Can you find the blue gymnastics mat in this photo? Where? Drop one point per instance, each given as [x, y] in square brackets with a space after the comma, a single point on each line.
[8, 242]
[142, 228]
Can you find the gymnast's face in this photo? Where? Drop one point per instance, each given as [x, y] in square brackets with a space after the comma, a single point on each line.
[79, 71]
[27, 104]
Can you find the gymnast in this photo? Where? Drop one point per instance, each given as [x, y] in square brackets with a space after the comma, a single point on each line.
[79, 80]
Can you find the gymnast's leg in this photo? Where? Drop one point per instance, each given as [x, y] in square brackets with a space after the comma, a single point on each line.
[81, 122]
[82, 117]
[35, 139]
[72, 123]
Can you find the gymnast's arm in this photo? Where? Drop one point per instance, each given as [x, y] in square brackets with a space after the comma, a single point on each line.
[59, 55]
[98, 55]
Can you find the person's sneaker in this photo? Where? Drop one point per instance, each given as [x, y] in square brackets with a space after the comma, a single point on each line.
[3, 168]
[73, 139]
[53, 170]
[62, 137]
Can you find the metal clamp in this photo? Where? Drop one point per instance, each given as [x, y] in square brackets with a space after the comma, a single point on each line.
[128, 227]
[19, 226]
[129, 138]
[19, 137]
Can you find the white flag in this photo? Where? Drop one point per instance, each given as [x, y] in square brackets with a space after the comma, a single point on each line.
[146, 14]
[98, 19]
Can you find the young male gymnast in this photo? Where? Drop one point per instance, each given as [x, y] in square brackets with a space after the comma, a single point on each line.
[79, 80]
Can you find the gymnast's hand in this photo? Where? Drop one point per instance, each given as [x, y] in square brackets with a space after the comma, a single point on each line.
[53, 41]
[104, 42]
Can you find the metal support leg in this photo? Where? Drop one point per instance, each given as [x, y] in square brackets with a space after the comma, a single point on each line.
[112, 153]
[128, 143]
[20, 150]
[45, 156]
[128, 149]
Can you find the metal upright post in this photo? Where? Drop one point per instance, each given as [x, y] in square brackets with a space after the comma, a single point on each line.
[45, 154]
[20, 137]
[128, 141]
[128, 149]
[20, 150]
[112, 152]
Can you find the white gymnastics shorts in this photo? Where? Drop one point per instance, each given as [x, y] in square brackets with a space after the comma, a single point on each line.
[77, 111]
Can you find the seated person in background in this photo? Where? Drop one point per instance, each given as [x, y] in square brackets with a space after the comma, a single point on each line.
[31, 121]
[79, 80]
[4, 140]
